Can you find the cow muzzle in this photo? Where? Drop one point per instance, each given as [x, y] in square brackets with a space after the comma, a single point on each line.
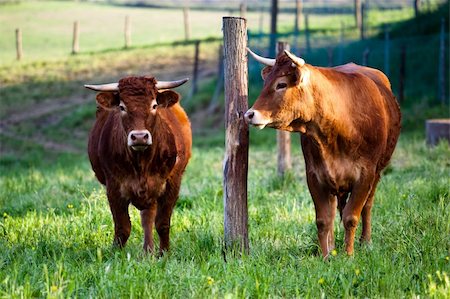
[139, 140]
[255, 118]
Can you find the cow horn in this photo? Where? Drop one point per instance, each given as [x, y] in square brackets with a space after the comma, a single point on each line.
[104, 87]
[296, 60]
[170, 84]
[263, 60]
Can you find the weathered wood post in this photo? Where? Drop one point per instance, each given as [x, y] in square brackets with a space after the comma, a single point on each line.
[273, 28]
[76, 36]
[386, 50]
[441, 75]
[127, 32]
[195, 71]
[401, 85]
[283, 137]
[187, 29]
[308, 43]
[365, 58]
[236, 135]
[358, 17]
[19, 51]
[242, 9]
[298, 19]
[436, 130]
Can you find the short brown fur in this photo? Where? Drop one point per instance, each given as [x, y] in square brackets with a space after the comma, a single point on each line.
[149, 179]
[350, 123]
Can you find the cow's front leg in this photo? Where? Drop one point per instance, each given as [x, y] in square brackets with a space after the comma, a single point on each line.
[367, 211]
[147, 221]
[122, 223]
[325, 205]
[352, 211]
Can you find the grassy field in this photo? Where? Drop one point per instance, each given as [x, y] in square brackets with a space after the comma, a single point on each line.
[47, 26]
[55, 225]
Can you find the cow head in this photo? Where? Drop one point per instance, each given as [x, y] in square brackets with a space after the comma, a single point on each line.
[136, 102]
[284, 102]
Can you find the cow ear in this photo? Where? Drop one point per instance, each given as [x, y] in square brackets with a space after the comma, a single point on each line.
[107, 100]
[265, 72]
[167, 98]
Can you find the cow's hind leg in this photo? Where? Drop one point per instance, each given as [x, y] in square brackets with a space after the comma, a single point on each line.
[353, 208]
[147, 221]
[122, 223]
[366, 213]
[166, 204]
[325, 205]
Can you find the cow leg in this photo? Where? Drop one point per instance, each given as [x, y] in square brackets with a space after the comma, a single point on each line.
[166, 204]
[325, 205]
[353, 208]
[147, 221]
[367, 211]
[122, 223]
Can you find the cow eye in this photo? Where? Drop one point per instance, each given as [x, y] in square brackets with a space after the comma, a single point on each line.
[281, 85]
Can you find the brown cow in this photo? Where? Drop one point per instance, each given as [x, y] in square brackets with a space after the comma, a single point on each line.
[139, 147]
[350, 123]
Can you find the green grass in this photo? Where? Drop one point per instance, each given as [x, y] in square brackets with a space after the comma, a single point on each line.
[56, 234]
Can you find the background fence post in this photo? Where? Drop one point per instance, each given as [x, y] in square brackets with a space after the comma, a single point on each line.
[75, 42]
[195, 71]
[401, 85]
[242, 9]
[298, 19]
[19, 51]
[341, 44]
[308, 44]
[358, 17]
[127, 32]
[363, 20]
[441, 75]
[365, 58]
[283, 137]
[187, 29]
[273, 28]
[386, 50]
[219, 84]
[236, 135]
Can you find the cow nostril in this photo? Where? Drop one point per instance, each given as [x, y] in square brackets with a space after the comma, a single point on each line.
[133, 137]
[146, 137]
[250, 114]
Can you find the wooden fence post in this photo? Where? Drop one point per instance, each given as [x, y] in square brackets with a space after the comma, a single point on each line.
[195, 71]
[358, 17]
[219, 84]
[441, 75]
[127, 32]
[19, 50]
[308, 44]
[330, 56]
[75, 41]
[416, 8]
[386, 50]
[283, 137]
[236, 135]
[242, 9]
[341, 44]
[273, 28]
[363, 21]
[187, 29]
[365, 59]
[298, 19]
[401, 85]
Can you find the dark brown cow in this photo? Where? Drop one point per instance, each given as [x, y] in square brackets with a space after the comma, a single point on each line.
[350, 123]
[139, 147]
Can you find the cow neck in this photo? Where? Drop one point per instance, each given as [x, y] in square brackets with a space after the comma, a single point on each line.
[330, 125]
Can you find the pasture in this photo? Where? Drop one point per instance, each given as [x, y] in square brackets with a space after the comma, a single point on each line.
[56, 228]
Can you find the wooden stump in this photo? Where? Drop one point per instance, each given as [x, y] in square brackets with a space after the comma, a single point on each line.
[437, 129]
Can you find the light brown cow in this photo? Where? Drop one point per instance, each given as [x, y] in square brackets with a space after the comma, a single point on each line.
[139, 147]
[350, 123]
